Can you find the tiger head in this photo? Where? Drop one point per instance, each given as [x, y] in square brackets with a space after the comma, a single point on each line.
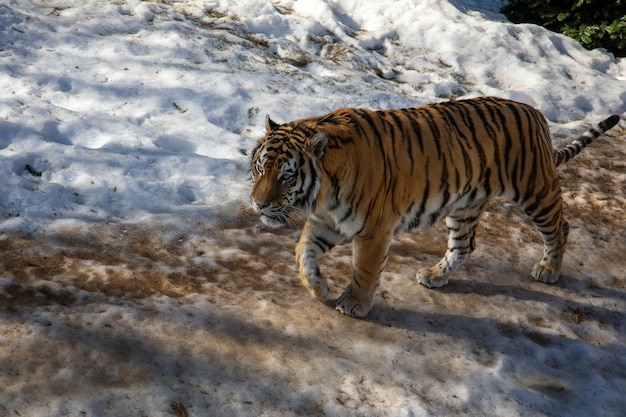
[286, 171]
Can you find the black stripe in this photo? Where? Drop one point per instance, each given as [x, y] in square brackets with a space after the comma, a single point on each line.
[477, 141]
[533, 156]
[323, 244]
[496, 144]
[432, 125]
[405, 138]
[411, 115]
[466, 118]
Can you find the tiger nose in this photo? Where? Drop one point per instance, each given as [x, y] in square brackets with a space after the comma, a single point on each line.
[262, 205]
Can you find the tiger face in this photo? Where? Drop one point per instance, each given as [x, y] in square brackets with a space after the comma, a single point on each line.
[285, 172]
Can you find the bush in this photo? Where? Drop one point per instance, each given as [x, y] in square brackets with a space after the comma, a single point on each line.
[593, 23]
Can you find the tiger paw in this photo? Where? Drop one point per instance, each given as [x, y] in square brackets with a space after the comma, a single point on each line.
[315, 283]
[544, 272]
[431, 279]
[350, 306]
[318, 289]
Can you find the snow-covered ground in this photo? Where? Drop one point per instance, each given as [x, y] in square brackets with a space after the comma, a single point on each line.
[134, 282]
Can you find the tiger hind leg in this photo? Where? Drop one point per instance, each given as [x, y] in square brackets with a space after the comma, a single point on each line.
[461, 242]
[554, 230]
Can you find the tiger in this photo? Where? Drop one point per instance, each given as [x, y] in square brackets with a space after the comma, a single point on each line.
[368, 175]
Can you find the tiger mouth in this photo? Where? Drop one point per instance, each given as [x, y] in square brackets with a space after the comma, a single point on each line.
[276, 218]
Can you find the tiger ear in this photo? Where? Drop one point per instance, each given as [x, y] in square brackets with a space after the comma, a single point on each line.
[316, 144]
[270, 124]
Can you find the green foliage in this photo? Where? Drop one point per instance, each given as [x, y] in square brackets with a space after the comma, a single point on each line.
[594, 23]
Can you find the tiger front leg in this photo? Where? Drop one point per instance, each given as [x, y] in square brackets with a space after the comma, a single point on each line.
[369, 255]
[318, 237]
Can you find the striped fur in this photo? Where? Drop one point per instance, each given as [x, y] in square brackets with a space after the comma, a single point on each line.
[365, 175]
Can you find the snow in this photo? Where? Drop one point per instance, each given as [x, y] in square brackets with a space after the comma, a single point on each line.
[134, 281]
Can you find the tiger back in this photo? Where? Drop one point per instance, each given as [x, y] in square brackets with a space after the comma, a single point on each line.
[366, 175]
